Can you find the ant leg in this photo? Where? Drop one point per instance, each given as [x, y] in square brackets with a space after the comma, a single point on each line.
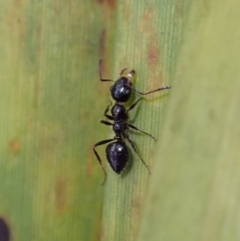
[106, 123]
[135, 128]
[135, 150]
[98, 157]
[152, 91]
[106, 111]
[99, 71]
[133, 105]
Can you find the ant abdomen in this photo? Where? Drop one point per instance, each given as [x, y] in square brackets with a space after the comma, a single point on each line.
[117, 156]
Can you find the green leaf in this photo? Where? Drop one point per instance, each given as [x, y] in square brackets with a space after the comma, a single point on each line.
[51, 100]
[147, 38]
[194, 191]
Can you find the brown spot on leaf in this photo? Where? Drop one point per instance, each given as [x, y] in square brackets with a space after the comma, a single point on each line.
[148, 16]
[14, 145]
[110, 3]
[153, 53]
[17, 2]
[90, 164]
[60, 194]
[102, 40]
[136, 208]
[89, 167]
[4, 230]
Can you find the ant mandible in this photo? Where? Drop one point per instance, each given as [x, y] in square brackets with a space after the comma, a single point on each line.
[116, 151]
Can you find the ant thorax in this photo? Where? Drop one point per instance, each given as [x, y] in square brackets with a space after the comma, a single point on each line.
[119, 112]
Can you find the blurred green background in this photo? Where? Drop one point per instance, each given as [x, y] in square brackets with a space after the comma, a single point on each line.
[51, 101]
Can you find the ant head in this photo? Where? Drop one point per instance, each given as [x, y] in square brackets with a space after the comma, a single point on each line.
[122, 88]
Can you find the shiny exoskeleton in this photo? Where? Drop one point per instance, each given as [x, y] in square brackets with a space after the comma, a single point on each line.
[117, 152]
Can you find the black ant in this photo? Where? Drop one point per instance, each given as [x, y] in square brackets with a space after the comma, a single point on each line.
[117, 152]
